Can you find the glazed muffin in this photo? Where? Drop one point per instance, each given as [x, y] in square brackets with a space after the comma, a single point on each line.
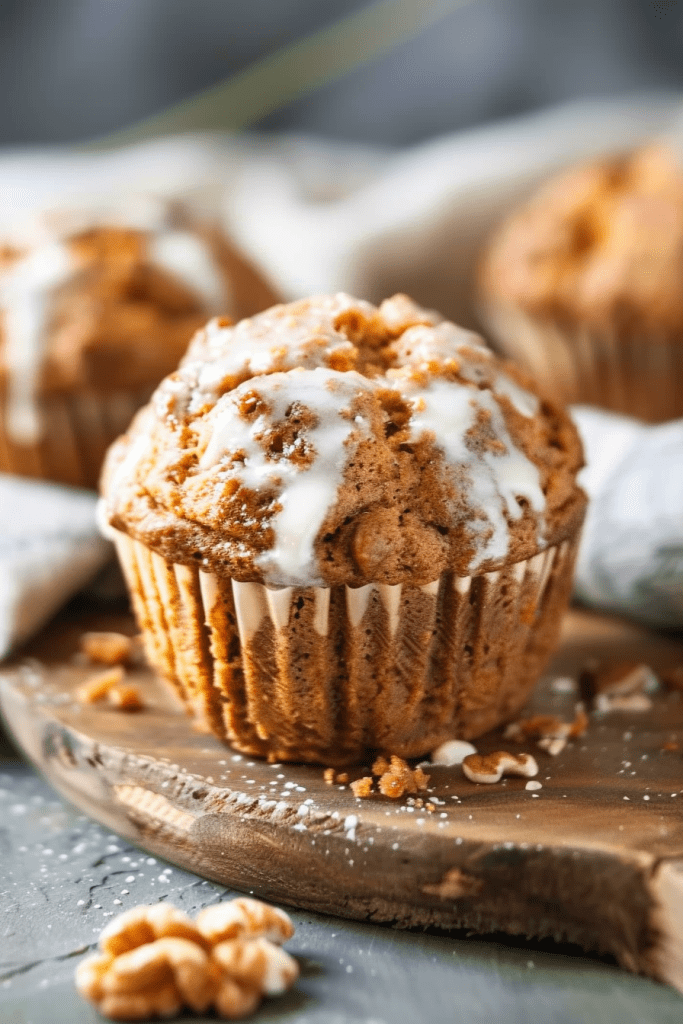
[345, 529]
[583, 285]
[95, 311]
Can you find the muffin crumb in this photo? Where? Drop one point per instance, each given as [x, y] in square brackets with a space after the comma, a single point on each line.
[398, 778]
[107, 648]
[96, 687]
[549, 731]
[362, 788]
[125, 698]
[616, 678]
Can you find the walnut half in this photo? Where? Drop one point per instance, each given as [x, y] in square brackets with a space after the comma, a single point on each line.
[154, 961]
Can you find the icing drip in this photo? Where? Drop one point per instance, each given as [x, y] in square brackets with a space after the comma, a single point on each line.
[445, 345]
[449, 409]
[26, 291]
[282, 338]
[523, 401]
[495, 479]
[186, 256]
[304, 492]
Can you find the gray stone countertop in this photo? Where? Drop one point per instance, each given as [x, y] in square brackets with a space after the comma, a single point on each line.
[62, 877]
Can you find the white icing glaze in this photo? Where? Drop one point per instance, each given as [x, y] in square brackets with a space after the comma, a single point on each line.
[187, 256]
[423, 346]
[300, 336]
[495, 480]
[304, 492]
[28, 285]
[26, 290]
[523, 401]
[447, 345]
[400, 310]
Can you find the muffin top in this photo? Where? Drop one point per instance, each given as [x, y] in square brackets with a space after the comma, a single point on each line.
[600, 246]
[331, 441]
[107, 299]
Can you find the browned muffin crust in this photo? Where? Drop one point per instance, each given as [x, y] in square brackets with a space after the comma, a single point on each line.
[428, 424]
[599, 246]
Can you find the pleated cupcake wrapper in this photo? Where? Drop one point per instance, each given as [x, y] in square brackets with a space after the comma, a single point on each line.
[76, 430]
[329, 674]
[640, 377]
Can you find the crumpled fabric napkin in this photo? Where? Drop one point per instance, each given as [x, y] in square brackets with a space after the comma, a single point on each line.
[631, 555]
[324, 216]
[49, 548]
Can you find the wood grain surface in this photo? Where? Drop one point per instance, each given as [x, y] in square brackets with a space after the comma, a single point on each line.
[594, 857]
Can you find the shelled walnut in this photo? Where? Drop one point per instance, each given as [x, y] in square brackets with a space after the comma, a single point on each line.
[153, 961]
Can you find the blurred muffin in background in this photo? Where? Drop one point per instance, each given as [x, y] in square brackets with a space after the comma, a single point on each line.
[95, 310]
[584, 285]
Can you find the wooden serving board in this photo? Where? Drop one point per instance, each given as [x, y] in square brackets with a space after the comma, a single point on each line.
[594, 857]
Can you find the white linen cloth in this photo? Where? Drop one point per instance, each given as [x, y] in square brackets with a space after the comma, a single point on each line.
[319, 217]
[631, 555]
[49, 549]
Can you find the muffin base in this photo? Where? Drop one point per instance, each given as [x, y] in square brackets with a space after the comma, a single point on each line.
[76, 431]
[330, 675]
[639, 377]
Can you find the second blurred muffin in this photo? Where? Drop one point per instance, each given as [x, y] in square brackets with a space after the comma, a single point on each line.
[95, 311]
[582, 285]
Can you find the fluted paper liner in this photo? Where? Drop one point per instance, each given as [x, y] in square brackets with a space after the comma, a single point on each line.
[76, 430]
[329, 675]
[640, 377]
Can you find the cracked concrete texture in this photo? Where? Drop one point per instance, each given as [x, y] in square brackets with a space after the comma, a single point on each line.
[62, 877]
